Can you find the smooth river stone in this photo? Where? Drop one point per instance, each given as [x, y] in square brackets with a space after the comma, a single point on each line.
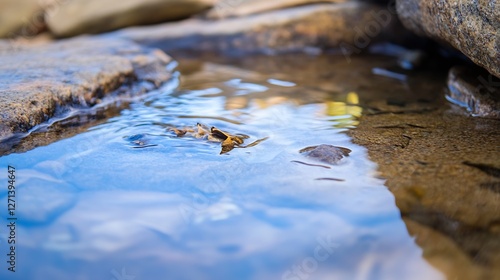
[326, 153]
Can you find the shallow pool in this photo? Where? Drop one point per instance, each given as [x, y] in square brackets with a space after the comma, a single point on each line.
[128, 199]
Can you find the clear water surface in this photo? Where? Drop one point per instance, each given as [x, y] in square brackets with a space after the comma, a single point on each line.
[100, 206]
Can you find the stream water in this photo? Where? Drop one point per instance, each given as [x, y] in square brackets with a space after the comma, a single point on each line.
[128, 199]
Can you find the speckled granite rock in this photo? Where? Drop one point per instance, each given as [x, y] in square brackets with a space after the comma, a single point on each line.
[96, 16]
[37, 81]
[476, 90]
[354, 25]
[473, 27]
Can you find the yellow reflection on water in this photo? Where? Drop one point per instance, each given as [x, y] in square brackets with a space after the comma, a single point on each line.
[344, 111]
[352, 98]
[347, 109]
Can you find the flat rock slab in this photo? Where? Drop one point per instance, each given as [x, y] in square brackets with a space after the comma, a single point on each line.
[95, 16]
[225, 9]
[36, 81]
[472, 27]
[351, 25]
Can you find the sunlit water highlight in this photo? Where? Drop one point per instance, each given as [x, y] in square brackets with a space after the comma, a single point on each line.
[97, 206]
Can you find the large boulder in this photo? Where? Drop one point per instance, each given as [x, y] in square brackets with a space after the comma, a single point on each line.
[96, 16]
[16, 15]
[471, 26]
[39, 82]
[351, 26]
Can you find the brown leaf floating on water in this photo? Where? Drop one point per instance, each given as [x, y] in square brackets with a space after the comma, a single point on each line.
[219, 134]
[227, 146]
[178, 132]
[228, 141]
[201, 130]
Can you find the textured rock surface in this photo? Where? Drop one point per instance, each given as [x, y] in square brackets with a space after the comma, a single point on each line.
[95, 16]
[36, 81]
[476, 90]
[450, 207]
[473, 27]
[321, 25]
[16, 15]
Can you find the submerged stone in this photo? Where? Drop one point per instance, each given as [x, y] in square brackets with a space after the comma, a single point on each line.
[326, 153]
